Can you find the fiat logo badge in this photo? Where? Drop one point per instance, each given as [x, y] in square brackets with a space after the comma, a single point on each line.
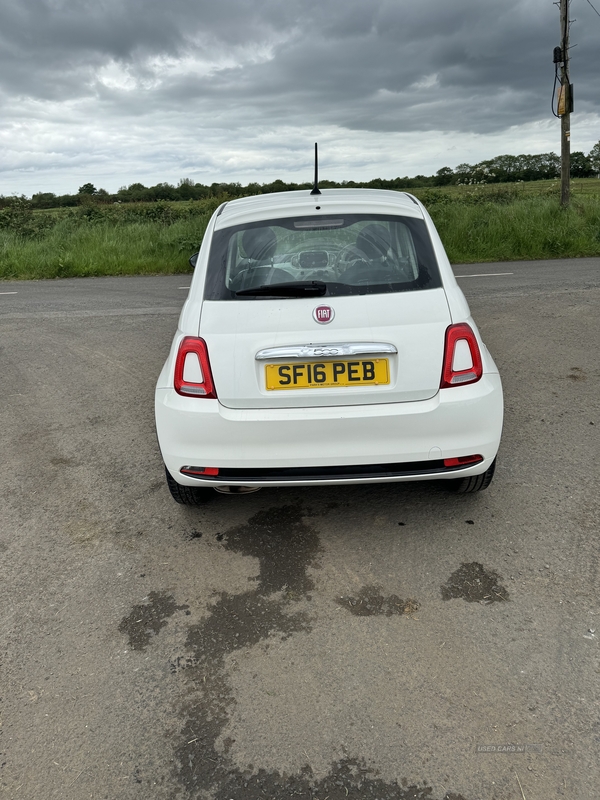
[323, 314]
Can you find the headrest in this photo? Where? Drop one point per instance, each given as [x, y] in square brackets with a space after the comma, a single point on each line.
[374, 240]
[259, 244]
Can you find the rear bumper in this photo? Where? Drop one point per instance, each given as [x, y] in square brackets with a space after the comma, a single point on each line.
[328, 445]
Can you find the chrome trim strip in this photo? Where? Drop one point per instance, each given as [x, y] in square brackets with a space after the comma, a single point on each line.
[328, 350]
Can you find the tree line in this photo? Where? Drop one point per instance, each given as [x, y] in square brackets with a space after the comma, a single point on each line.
[511, 169]
[501, 169]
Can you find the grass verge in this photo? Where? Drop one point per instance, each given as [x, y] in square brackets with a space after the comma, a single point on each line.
[484, 223]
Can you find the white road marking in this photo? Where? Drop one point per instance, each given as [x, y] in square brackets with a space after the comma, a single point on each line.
[9, 293]
[183, 287]
[485, 275]
[111, 312]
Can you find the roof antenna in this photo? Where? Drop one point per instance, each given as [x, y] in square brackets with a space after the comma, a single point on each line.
[315, 189]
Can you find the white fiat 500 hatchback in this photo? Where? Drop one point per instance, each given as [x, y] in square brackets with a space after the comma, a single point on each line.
[325, 341]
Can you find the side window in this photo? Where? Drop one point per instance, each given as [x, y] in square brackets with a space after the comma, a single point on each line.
[233, 258]
[405, 250]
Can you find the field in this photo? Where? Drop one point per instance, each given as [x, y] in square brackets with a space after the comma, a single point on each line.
[496, 222]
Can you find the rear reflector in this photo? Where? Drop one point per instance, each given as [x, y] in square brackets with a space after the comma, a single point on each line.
[462, 461]
[462, 357]
[193, 377]
[199, 471]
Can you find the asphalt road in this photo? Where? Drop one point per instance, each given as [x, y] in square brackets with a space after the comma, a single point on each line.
[375, 642]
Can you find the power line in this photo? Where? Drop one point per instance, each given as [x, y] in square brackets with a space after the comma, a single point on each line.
[595, 9]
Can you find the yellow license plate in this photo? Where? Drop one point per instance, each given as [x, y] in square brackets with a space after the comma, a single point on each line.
[321, 374]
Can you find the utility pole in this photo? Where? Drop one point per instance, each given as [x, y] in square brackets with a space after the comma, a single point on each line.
[565, 107]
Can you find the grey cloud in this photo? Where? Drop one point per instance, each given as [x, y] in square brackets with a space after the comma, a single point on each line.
[366, 80]
[234, 69]
[50, 49]
[330, 58]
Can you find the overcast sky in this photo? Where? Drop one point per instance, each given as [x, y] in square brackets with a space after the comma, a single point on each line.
[120, 91]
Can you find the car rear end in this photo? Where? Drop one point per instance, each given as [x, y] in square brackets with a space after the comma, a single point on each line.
[325, 341]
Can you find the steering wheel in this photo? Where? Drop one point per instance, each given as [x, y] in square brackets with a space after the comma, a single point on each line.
[349, 254]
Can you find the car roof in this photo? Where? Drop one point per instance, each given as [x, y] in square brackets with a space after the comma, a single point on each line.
[302, 203]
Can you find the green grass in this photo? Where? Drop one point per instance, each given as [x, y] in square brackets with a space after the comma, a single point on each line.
[103, 250]
[516, 221]
[498, 222]
[549, 188]
[153, 238]
[528, 228]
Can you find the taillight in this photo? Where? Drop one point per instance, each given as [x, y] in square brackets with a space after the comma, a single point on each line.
[193, 377]
[462, 461]
[462, 357]
[200, 472]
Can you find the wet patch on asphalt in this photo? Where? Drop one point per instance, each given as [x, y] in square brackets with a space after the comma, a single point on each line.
[473, 583]
[235, 622]
[240, 620]
[148, 619]
[370, 603]
[63, 462]
[286, 547]
[348, 779]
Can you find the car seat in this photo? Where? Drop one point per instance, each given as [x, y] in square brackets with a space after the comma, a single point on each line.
[258, 246]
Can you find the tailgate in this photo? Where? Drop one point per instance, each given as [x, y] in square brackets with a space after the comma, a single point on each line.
[412, 323]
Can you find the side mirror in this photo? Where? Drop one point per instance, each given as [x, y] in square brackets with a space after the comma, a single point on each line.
[193, 260]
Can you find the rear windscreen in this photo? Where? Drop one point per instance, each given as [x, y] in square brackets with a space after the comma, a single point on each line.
[350, 254]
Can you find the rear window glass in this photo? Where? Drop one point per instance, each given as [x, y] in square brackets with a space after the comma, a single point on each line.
[350, 254]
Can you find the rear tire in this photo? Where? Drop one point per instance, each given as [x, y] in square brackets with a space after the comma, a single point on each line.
[188, 495]
[473, 483]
